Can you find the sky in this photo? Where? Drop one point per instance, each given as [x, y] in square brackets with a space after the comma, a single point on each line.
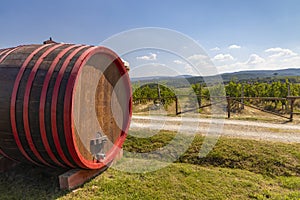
[237, 35]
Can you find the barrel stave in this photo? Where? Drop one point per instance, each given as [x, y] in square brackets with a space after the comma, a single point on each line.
[37, 152]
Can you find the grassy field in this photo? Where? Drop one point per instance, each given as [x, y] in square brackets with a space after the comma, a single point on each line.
[235, 169]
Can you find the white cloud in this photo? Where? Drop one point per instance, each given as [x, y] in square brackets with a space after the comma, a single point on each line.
[189, 69]
[198, 57]
[255, 59]
[152, 69]
[150, 57]
[215, 49]
[223, 57]
[178, 62]
[195, 64]
[256, 62]
[200, 60]
[202, 65]
[234, 46]
[280, 52]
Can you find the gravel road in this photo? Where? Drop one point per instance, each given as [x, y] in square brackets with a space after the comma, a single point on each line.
[224, 127]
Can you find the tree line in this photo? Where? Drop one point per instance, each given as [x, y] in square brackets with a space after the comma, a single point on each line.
[250, 89]
[152, 92]
[164, 95]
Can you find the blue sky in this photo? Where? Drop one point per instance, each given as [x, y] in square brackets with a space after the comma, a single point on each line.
[236, 34]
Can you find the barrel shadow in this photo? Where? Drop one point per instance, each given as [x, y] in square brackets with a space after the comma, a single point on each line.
[26, 181]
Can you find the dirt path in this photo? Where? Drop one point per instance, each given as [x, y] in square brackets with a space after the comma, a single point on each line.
[223, 127]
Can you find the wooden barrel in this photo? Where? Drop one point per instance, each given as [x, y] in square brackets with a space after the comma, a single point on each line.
[63, 105]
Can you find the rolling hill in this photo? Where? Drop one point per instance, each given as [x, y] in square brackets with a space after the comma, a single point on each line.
[259, 75]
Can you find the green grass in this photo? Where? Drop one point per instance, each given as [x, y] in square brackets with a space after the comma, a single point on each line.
[234, 169]
[262, 157]
[177, 181]
[185, 181]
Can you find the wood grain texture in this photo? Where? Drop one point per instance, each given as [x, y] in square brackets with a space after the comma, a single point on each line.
[93, 99]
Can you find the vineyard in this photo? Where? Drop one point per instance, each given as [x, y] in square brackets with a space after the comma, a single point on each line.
[276, 97]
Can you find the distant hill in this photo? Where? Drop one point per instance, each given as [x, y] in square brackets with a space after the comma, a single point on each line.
[246, 75]
[160, 78]
[259, 75]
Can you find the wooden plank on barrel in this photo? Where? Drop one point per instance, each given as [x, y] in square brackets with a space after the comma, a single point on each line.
[77, 177]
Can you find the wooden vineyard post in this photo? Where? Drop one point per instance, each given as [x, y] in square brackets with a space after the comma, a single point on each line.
[242, 95]
[288, 101]
[292, 109]
[200, 96]
[228, 107]
[176, 105]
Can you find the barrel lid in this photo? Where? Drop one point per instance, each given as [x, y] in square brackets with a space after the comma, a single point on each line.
[101, 107]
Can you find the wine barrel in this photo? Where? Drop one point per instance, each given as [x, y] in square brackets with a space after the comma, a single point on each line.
[63, 105]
